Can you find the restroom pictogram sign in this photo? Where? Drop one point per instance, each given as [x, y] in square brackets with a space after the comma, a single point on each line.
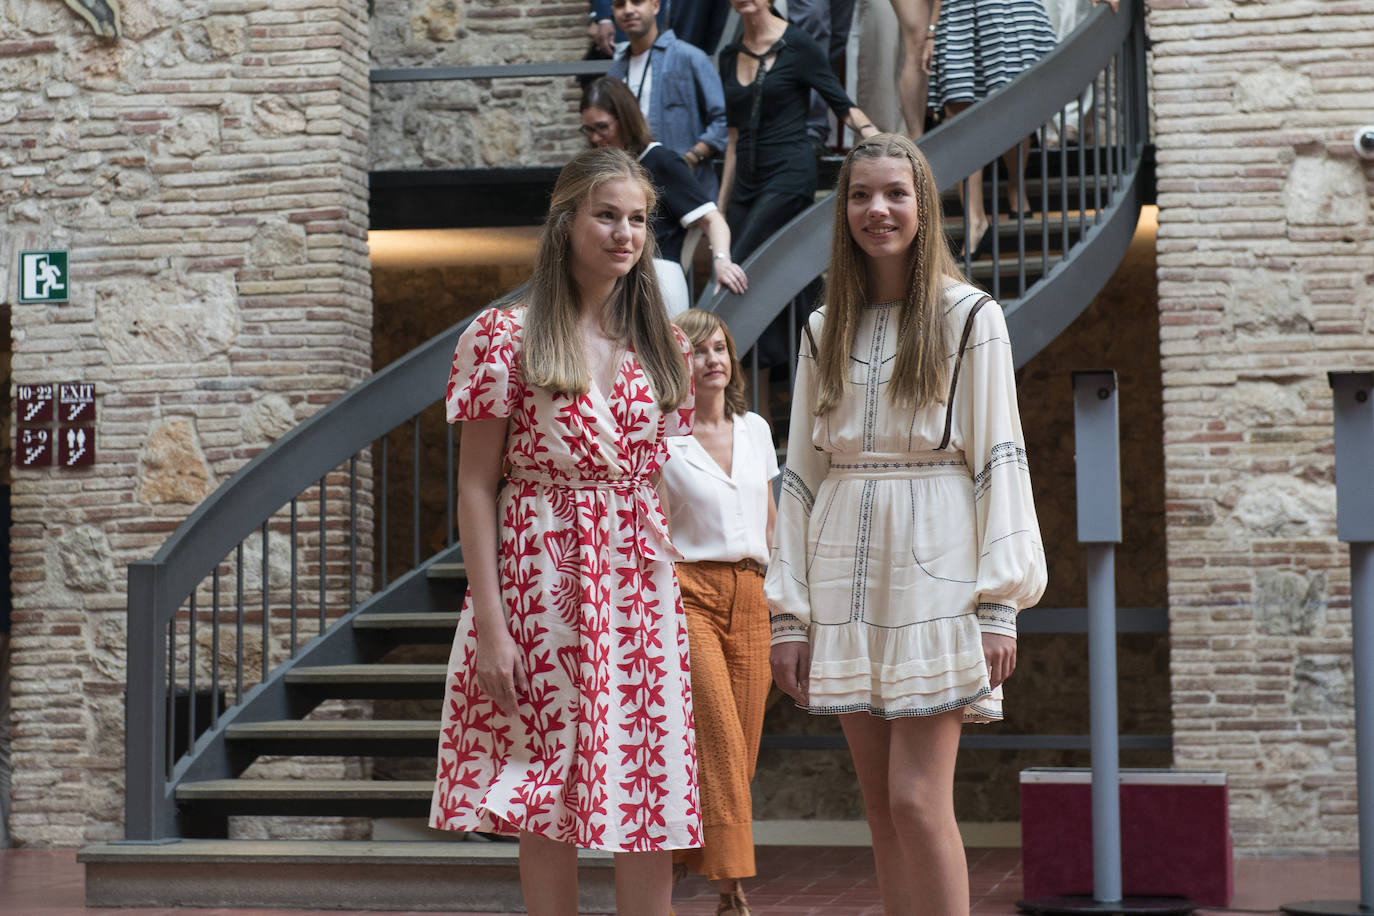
[75, 446]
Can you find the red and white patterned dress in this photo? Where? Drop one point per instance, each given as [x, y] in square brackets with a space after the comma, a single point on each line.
[601, 751]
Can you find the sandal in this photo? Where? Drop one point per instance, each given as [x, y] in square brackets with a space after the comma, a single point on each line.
[733, 905]
[984, 247]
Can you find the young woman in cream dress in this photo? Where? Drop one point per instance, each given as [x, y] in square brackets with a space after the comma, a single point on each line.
[907, 538]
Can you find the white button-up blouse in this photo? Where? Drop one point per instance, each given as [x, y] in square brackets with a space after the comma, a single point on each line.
[713, 515]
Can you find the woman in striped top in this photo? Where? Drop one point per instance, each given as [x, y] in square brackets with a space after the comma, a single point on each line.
[979, 46]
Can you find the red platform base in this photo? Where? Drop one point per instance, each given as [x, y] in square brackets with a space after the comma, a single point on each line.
[1175, 834]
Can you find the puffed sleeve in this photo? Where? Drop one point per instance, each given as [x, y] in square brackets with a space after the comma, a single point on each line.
[1011, 560]
[785, 584]
[679, 422]
[481, 381]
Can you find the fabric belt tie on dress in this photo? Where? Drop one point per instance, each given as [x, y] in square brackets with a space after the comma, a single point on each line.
[900, 465]
[623, 485]
[653, 540]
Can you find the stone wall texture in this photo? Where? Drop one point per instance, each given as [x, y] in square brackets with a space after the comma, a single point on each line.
[207, 172]
[475, 123]
[1266, 282]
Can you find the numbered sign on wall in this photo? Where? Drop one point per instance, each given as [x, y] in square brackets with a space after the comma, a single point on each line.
[33, 446]
[35, 404]
[55, 425]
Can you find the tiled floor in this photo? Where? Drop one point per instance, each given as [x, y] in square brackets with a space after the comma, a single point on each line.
[794, 881]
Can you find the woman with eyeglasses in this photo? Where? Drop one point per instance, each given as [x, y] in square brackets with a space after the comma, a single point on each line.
[611, 118]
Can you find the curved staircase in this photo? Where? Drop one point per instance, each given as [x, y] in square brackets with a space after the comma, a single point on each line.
[338, 638]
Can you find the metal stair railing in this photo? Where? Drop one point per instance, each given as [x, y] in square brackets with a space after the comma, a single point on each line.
[1098, 207]
[310, 490]
[318, 489]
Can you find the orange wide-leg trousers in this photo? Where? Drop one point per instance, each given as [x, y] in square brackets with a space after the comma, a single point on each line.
[727, 625]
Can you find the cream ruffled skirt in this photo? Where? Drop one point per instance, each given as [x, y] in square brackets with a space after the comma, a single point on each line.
[892, 562]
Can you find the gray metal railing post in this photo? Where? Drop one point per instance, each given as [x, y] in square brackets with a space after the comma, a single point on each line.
[146, 807]
[1098, 471]
[1353, 403]
[1097, 463]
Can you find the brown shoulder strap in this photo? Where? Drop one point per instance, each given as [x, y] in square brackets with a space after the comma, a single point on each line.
[810, 338]
[958, 361]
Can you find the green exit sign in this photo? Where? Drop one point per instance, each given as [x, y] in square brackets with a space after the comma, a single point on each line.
[43, 276]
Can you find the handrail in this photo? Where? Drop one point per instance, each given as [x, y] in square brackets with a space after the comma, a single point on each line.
[303, 455]
[799, 252]
[490, 71]
[219, 526]
[164, 591]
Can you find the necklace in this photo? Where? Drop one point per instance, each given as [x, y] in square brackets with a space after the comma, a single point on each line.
[643, 76]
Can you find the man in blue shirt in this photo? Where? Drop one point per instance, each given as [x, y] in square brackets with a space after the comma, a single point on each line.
[677, 88]
[698, 22]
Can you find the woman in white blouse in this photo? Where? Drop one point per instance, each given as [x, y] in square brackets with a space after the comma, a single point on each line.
[716, 490]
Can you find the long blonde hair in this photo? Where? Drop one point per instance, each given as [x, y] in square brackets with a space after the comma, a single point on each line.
[920, 373]
[699, 325]
[552, 356]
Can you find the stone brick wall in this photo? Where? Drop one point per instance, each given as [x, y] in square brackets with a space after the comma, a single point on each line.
[475, 123]
[208, 174]
[1266, 259]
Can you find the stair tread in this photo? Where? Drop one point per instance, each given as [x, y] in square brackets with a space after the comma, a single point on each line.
[370, 674]
[1007, 224]
[306, 788]
[336, 728]
[298, 851]
[447, 571]
[405, 619]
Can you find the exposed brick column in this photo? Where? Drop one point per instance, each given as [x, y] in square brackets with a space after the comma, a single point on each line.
[1266, 260]
[208, 173]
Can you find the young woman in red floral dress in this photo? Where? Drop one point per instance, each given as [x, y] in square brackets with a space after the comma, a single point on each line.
[567, 712]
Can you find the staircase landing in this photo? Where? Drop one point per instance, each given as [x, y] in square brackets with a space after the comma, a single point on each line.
[324, 875]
